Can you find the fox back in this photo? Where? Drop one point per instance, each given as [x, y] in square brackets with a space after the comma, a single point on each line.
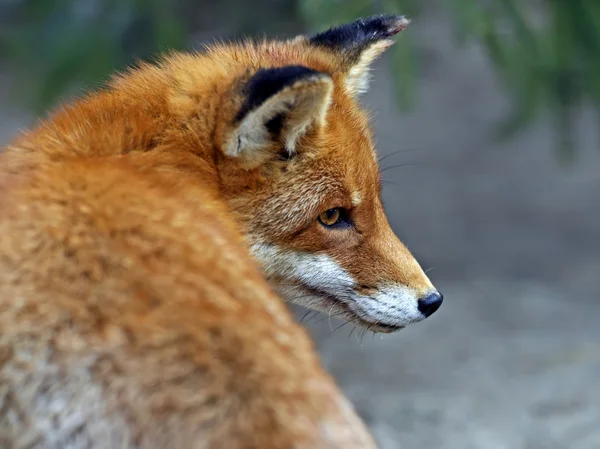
[148, 227]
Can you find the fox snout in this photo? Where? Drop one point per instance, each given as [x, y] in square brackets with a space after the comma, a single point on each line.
[393, 307]
[388, 303]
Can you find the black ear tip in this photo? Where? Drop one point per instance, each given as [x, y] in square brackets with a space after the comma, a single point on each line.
[361, 32]
[386, 25]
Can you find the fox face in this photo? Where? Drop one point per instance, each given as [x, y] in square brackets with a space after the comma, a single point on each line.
[299, 169]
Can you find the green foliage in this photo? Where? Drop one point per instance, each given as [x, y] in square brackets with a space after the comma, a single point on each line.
[58, 45]
[546, 53]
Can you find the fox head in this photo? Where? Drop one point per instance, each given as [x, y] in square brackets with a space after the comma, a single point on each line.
[298, 167]
[291, 152]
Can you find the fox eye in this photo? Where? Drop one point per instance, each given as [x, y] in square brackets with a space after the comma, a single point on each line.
[333, 217]
[330, 217]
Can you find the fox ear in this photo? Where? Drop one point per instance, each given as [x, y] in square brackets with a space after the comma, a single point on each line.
[358, 44]
[279, 106]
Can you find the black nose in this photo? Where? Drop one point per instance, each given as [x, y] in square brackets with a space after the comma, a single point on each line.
[429, 304]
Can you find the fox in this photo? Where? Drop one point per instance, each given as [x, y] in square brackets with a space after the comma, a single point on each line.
[154, 230]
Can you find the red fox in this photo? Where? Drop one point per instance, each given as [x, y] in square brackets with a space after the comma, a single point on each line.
[152, 230]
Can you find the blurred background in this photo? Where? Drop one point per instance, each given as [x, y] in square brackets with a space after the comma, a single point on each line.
[487, 112]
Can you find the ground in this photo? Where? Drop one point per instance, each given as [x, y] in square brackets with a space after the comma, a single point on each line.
[504, 365]
[512, 359]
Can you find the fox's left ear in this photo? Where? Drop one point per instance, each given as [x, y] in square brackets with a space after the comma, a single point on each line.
[358, 44]
[279, 106]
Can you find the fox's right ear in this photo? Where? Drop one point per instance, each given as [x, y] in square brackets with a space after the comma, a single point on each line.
[278, 106]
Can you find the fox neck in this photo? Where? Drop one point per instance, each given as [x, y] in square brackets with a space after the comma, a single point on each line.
[144, 111]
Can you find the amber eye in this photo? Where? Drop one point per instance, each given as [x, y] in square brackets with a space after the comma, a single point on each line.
[330, 217]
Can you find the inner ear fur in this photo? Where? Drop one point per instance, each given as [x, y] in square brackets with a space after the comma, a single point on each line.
[279, 106]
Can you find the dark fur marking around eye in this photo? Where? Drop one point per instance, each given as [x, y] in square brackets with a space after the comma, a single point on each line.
[353, 38]
[267, 82]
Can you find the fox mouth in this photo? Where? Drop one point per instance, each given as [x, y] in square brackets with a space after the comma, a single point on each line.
[341, 309]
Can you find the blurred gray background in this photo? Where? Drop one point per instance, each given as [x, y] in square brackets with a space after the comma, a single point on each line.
[510, 232]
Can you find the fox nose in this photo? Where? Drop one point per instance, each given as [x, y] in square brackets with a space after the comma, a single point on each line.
[428, 305]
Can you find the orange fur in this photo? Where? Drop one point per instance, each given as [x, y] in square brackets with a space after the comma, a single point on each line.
[118, 332]
[132, 312]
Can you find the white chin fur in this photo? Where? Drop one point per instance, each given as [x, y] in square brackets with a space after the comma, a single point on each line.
[394, 305]
[296, 275]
